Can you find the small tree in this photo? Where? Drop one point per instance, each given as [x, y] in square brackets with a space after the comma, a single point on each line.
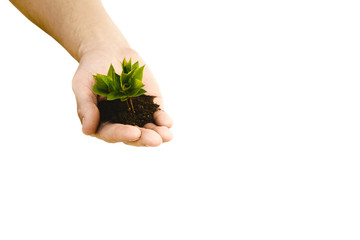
[124, 86]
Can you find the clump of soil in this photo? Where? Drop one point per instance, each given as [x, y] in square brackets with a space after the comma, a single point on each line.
[116, 111]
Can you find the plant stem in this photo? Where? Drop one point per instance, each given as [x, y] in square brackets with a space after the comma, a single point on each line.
[127, 102]
[132, 106]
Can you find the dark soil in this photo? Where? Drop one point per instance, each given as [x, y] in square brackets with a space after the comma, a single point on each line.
[116, 111]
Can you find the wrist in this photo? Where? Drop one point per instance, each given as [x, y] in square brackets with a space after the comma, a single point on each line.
[104, 43]
[101, 34]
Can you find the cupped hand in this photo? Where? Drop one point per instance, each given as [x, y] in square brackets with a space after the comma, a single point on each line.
[98, 61]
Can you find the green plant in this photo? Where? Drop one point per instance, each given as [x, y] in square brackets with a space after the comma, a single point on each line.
[124, 86]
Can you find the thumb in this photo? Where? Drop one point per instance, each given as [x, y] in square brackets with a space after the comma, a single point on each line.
[87, 109]
[89, 116]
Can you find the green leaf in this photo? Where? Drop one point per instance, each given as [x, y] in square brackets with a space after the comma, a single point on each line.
[125, 78]
[135, 65]
[99, 91]
[117, 84]
[141, 92]
[124, 98]
[114, 95]
[126, 66]
[127, 84]
[102, 82]
[129, 65]
[135, 92]
[137, 84]
[123, 63]
[132, 92]
[111, 72]
[138, 74]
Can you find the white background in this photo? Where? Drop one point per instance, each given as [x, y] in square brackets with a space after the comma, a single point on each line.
[265, 97]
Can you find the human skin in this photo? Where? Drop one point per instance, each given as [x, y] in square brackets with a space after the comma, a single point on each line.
[86, 31]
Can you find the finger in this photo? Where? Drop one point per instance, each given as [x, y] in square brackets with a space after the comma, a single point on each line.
[87, 111]
[148, 138]
[163, 131]
[89, 116]
[163, 119]
[112, 133]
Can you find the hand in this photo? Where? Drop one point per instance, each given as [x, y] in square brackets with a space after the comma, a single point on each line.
[98, 61]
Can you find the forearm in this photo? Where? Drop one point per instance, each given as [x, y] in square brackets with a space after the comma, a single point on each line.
[78, 25]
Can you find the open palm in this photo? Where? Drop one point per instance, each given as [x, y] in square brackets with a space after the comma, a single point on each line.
[98, 61]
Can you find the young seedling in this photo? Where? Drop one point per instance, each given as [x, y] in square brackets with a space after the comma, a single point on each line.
[125, 86]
